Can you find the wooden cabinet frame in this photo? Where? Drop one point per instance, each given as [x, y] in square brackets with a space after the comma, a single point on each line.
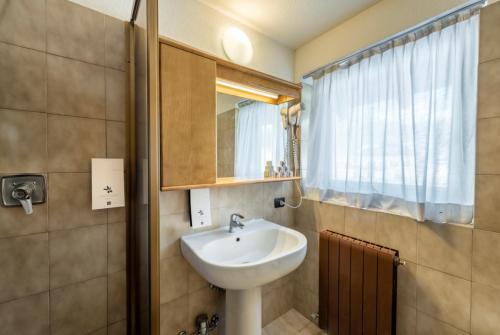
[188, 137]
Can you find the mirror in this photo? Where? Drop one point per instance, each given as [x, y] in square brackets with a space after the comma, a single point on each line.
[254, 140]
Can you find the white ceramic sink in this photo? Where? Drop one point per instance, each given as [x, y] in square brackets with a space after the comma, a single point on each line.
[243, 261]
[253, 256]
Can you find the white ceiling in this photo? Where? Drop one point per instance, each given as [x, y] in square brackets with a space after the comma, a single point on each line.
[290, 22]
[121, 9]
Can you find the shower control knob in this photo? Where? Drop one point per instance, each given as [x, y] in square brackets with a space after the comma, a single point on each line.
[24, 190]
[22, 193]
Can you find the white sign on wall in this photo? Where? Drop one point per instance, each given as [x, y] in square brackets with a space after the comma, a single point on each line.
[200, 208]
[108, 189]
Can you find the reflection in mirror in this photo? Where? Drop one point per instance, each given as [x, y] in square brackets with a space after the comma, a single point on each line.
[250, 134]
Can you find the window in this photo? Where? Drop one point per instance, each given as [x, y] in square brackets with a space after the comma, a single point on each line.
[395, 130]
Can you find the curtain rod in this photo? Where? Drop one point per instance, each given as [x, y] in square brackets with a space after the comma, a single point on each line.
[468, 5]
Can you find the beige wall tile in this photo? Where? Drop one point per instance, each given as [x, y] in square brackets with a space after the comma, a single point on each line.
[79, 308]
[406, 321]
[116, 145]
[73, 141]
[175, 202]
[23, 140]
[360, 223]
[276, 302]
[287, 217]
[312, 243]
[77, 254]
[117, 296]
[224, 197]
[14, 221]
[445, 247]
[174, 278]
[330, 217]
[174, 316]
[445, 297]
[172, 227]
[488, 98]
[304, 301]
[488, 146]
[75, 88]
[24, 266]
[307, 215]
[118, 328]
[279, 282]
[429, 326]
[486, 258]
[489, 48]
[75, 31]
[116, 95]
[27, 316]
[397, 232]
[195, 281]
[23, 23]
[70, 202]
[117, 214]
[487, 200]
[102, 331]
[290, 189]
[117, 247]
[23, 79]
[485, 311]
[116, 43]
[407, 284]
[308, 275]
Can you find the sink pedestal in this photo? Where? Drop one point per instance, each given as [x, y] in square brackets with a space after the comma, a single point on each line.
[244, 311]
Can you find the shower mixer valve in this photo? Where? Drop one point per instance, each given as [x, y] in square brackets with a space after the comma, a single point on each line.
[23, 190]
[23, 193]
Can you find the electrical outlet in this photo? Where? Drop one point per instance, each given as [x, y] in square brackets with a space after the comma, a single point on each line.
[279, 202]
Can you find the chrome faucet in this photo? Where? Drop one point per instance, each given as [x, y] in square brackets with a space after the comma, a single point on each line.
[234, 221]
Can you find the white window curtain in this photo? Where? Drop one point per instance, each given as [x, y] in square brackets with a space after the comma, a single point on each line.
[396, 129]
[260, 137]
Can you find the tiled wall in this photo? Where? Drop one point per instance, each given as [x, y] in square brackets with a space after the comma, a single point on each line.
[183, 293]
[225, 143]
[62, 101]
[451, 283]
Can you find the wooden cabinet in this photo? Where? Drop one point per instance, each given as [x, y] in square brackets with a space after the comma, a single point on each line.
[188, 116]
[189, 81]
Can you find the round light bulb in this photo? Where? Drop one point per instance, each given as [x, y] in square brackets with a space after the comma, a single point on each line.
[237, 46]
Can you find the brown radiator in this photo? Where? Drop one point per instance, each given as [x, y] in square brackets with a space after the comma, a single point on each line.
[357, 286]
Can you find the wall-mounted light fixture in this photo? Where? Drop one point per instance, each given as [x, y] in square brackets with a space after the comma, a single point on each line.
[237, 46]
[228, 87]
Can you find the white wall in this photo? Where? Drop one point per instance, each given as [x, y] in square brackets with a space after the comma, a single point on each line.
[201, 26]
[383, 19]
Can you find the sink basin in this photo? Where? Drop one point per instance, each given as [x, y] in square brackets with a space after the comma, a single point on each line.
[243, 261]
[253, 256]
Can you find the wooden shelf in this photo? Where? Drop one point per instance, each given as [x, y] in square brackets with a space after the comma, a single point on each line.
[228, 182]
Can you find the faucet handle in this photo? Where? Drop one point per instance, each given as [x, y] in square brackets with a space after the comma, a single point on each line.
[22, 193]
[236, 215]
